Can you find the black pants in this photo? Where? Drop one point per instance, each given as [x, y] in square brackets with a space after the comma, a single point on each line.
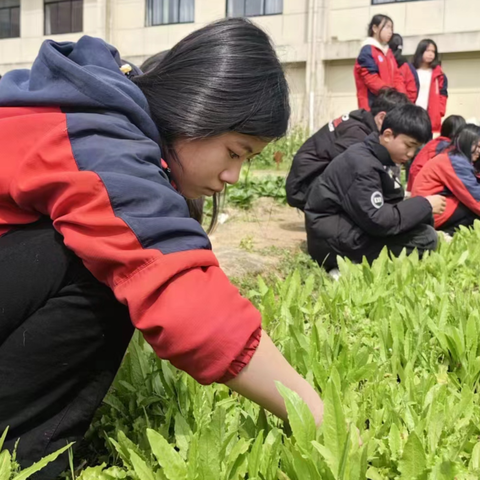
[461, 217]
[62, 338]
[421, 238]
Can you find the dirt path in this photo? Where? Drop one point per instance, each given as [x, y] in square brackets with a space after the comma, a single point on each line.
[250, 241]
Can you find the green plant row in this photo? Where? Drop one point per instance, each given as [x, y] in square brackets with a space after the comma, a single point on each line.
[394, 350]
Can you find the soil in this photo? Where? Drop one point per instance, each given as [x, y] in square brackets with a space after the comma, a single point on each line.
[252, 240]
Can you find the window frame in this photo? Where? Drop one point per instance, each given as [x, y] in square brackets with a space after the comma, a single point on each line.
[377, 3]
[56, 2]
[147, 24]
[252, 16]
[10, 8]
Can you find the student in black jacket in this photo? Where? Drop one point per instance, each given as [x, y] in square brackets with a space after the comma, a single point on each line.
[332, 140]
[357, 206]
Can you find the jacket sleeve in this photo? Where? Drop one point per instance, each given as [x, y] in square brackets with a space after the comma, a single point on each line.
[399, 80]
[410, 84]
[368, 71]
[443, 86]
[365, 205]
[306, 166]
[463, 184]
[100, 182]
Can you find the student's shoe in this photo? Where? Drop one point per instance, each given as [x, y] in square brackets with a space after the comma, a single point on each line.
[335, 274]
[448, 238]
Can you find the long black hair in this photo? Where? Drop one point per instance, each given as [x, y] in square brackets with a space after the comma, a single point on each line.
[421, 48]
[467, 138]
[376, 21]
[225, 77]
[396, 46]
[452, 126]
[151, 62]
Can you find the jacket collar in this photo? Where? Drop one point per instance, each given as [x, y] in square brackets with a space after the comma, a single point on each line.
[375, 43]
[378, 150]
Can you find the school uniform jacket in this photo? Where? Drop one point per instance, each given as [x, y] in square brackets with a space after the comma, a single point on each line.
[450, 174]
[437, 100]
[78, 145]
[406, 70]
[375, 70]
[357, 198]
[430, 150]
[321, 148]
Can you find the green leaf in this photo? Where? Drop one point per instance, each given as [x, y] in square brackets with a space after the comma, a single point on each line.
[254, 458]
[172, 463]
[413, 462]
[5, 465]
[140, 467]
[300, 418]
[395, 441]
[36, 467]
[475, 459]
[183, 434]
[334, 427]
[2, 438]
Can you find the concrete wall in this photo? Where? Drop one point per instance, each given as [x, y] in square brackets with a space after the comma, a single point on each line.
[340, 30]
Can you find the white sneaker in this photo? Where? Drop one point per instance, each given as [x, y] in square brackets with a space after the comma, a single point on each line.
[335, 274]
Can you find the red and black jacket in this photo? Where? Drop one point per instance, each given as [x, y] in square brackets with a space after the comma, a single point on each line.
[321, 148]
[374, 70]
[409, 80]
[437, 101]
[450, 174]
[79, 146]
[430, 150]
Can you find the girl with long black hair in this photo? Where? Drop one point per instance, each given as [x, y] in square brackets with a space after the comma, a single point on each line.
[98, 161]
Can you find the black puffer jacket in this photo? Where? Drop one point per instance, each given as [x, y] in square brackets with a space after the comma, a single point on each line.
[358, 197]
[321, 148]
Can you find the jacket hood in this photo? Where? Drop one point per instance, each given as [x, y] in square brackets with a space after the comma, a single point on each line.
[85, 74]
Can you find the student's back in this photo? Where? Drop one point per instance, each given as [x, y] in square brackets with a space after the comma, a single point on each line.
[333, 139]
[357, 206]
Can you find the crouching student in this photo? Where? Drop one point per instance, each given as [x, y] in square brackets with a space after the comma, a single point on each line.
[451, 127]
[357, 207]
[455, 174]
[332, 140]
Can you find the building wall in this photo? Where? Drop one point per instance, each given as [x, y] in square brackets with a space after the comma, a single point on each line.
[340, 29]
[451, 23]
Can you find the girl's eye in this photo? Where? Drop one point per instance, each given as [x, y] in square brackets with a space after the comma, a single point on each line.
[233, 155]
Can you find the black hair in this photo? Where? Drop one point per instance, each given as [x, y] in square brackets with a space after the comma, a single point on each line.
[396, 46]
[410, 120]
[376, 21]
[421, 48]
[452, 126]
[387, 100]
[469, 136]
[224, 77]
[151, 62]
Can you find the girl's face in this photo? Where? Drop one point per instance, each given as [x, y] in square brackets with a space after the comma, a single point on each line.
[206, 165]
[475, 152]
[429, 54]
[384, 32]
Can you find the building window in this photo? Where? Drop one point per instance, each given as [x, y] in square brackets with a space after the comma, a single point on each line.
[382, 2]
[164, 12]
[9, 18]
[253, 8]
[63, 16]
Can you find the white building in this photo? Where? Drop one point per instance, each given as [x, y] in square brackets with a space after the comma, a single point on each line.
[317, 40]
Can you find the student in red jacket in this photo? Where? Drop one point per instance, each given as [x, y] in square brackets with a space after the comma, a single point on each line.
[431, 82]
[82, 136]
[451, 127]
[454, 175]
[376, 67]
[404, 66]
